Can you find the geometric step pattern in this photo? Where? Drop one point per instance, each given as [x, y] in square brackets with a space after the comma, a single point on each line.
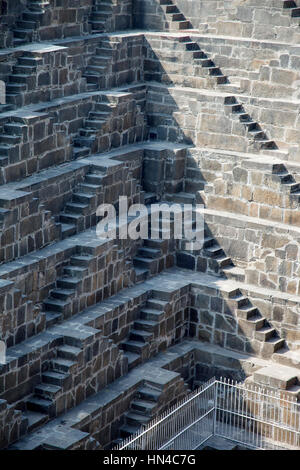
[31, 18]
[141, 411]
[79, 213]
[139, 345]
[261, 335]
[42, 404]
[175, 20]
[97, 120]
[97, 68]
[58, 305]
[101, 12]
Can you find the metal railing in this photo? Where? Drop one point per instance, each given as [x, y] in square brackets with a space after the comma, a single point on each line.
[244, 414]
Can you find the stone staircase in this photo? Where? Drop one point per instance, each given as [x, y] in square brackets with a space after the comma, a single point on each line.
[140, 344]
[201, 59]
[31, 18]
[100, 62]
[254, 132]
[59, 305]
[282, 378]
[101, 12]
[98, 120]
[175, 20]
[263, 339]
[10, 137]
[142, 410]
[80, 213]
[23, 79]
[42, 405]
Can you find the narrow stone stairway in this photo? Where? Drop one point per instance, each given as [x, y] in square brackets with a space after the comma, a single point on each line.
[96, 70]
[32, 17]
[44, 402]
[76, 214]
[141, 411]
[175, 19]
[59, 305]
[97, 120]
[23, 79]
[138, 346]
[102, 10]
[260, 334]
[253, 129]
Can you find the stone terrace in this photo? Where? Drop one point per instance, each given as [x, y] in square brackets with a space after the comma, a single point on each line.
[174, 101]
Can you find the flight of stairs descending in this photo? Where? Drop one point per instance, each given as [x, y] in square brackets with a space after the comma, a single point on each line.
[258, 137]
[101, 12]
[98, 120]
[175, 19]
[146, 262]
[42, 404]
[96, 70]
[31, 18]
[140, 344]
[23, 78]
[289, 185]
[201, 59]
[58, 305]
[76, 215]
[278, 377]
[10, 136]
[262, 337]
[141, 411]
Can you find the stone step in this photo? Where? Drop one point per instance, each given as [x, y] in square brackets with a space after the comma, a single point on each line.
[67, 230]
[95, 179]
[272, 345]
[47, 391]
[133, 359]
[78, 272]
[151, 314]
[56, 305]
[52, 318]
[127, 431]
[146, 325]
[146, 263]
[149, 394]
[265, 333]
[156, 304]
[247, 312]
[69, 352]
[68, 282]
[41, 405]
[288, 358]
[146, 252]
[63, 365]
[83, 198]
[143, 407]
[55, 378]
[136, 347]
[62, 294]
[140, 336]
[88, 188]
[136, 419]
[141, 274]
[79, 152]
[10, 139]
[275, 376]
[82, 261]
[77, 208]
[35, 419]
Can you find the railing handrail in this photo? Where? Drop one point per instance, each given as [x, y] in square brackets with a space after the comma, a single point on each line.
[258, 392]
